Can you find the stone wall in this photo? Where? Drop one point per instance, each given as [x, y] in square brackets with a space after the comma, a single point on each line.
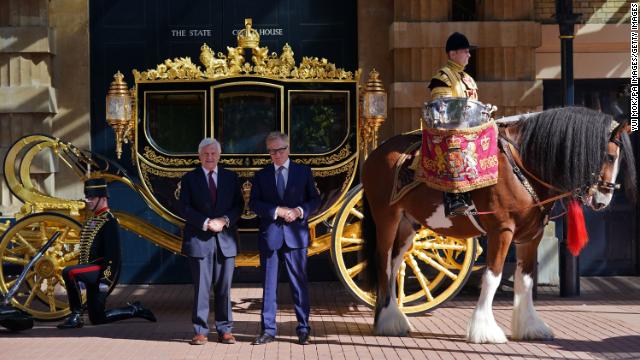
[507, 37]
[593, 12]
[43, 85]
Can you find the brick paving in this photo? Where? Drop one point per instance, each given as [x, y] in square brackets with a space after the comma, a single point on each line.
[603, 323]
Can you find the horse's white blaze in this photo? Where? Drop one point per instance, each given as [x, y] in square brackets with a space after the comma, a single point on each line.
[525, 322]
[438, 220]
[605, 199]
[483, 327]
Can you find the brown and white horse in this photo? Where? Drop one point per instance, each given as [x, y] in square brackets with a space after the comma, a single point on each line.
[570, 149]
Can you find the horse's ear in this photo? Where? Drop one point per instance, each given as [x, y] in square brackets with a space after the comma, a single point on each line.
[623, 126]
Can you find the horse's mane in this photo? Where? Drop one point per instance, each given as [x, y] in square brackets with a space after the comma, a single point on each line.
[628, 168]
[565, 147]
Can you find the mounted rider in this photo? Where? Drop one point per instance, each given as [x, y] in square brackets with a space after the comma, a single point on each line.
[452, 81]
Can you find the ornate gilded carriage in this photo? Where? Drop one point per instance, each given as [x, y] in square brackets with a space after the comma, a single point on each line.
[238, 97]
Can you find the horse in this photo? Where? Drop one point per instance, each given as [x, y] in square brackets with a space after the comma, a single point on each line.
[572, 151]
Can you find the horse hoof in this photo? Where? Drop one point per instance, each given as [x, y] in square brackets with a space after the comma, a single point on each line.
[494, 338]
[538, 331]
[391, 322]
[485, 331]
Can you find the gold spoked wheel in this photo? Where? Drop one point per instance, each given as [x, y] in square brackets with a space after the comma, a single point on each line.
[434, 269]
[42, 294]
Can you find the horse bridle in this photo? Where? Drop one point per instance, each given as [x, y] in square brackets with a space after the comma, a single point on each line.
[510, 148]
[605, 184]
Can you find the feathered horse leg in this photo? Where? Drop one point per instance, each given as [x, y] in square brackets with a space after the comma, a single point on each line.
[483, 327]
[525, 322]
[390, 321]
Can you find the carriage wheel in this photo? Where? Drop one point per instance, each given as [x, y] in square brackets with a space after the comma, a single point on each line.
[42, 294]
[433, 271]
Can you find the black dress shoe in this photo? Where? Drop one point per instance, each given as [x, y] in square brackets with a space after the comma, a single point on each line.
[303, 338]
[74, 321]
[263, 339]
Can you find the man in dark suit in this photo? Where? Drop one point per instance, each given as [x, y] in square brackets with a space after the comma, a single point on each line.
[211, 205]
[284, 196]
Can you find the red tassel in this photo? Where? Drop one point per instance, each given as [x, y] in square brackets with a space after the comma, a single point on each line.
[577, 236]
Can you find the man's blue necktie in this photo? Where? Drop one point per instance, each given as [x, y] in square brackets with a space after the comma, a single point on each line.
[280, 182]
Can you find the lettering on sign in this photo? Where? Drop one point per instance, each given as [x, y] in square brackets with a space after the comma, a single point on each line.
[191, 32]
[263, 32]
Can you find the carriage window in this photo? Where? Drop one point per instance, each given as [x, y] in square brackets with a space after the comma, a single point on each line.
[244, 117]
[318, 121]
[175, 121]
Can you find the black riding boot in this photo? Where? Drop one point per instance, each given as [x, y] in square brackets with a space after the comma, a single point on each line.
[73, 321]
[456, 204]
[133, 310]
[142, 312]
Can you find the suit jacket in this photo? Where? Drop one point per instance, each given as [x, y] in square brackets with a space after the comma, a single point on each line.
[300, 192]
[197, 207]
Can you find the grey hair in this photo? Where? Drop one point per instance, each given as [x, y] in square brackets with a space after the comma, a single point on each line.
[208, 141]
[277, 135]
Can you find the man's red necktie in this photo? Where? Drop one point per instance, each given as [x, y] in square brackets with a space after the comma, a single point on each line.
[213, 190]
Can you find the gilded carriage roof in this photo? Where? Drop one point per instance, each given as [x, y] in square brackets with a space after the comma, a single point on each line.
[234, 63]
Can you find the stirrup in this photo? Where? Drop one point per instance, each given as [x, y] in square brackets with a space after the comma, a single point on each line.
[461, 210]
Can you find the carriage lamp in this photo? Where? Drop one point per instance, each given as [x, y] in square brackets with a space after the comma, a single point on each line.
[119, 110]
[374, 110]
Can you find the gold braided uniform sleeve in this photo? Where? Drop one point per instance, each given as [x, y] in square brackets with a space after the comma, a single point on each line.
[441, 92]
[440, 86]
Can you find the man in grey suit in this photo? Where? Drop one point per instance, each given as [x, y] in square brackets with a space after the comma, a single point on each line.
[211, 205]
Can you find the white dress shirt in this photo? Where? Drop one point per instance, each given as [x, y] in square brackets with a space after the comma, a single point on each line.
[215, 180]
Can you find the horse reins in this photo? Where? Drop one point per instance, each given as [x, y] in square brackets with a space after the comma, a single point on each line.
[513, 156]
[509, 148]
[518, 167]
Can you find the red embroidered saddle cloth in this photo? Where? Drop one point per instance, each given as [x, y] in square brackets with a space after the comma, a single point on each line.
[459, 160]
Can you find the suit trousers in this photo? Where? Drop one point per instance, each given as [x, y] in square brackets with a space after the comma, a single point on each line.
[295, 261]
[217, 269]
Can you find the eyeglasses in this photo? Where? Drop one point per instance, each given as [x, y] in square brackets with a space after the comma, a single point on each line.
[277, 151]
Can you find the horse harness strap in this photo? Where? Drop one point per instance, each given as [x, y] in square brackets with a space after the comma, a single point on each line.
[514, 157]
[474, 219]
[507, 149]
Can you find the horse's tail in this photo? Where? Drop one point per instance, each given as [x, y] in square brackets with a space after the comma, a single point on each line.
[370, 242]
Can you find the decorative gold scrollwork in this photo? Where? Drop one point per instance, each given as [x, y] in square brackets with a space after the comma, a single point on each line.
[146, 170]
[233, 63]
[176, 194]
[176, 69]
[163, 160]
[327, 160]
[312, 161]
[245, 174]
[331, 172]
[231, 162]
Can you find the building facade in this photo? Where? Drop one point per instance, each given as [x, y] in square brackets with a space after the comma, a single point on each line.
[50, 81]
